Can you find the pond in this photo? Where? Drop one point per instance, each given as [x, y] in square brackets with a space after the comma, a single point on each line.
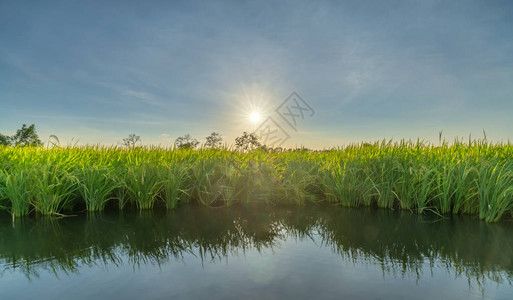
[255, 252]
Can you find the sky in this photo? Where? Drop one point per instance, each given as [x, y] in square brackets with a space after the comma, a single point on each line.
[94, 71]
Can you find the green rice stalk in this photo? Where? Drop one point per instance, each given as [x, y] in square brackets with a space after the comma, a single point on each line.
[15, 187]
[144, 184]
[53, 189]
[96, 185]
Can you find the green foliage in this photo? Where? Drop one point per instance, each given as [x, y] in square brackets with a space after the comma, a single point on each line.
[214, 140]
[26, 136]
[96, 186]
[186, 142]
[121, 192]
[247, 142]
[175, 179]
[53, 187]
[417, 177]
[5, 140]
[144, 184]
[207, 181]
[15, 187]
[495, 190]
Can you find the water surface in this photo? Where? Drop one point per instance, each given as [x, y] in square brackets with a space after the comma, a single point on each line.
[253, 252]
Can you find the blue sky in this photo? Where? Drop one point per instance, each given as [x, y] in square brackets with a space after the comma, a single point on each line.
[95, 71]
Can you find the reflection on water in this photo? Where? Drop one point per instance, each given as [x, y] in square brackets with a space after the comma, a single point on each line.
[400, 244]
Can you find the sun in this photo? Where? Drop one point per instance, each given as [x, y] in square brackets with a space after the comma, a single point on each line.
[249, 107]
[255, 117]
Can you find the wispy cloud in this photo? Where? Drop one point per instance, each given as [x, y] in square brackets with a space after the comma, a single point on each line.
[145, 97]
[23, 65]
[368, 68]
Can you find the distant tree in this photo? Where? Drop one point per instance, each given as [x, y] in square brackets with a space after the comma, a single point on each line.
[131, 140]
[26, 136]
[247, 142]
[214, 140]
[186, 142]
[5, 140]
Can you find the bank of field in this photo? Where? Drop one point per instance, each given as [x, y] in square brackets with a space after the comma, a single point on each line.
[460, 178]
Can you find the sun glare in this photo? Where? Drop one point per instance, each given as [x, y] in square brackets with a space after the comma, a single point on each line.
[249, 107]
[255, 117]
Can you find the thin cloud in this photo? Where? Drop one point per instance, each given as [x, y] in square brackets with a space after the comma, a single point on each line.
[145, 98]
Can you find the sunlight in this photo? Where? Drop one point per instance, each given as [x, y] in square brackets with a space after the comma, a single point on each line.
[247, 106]
[255, 117]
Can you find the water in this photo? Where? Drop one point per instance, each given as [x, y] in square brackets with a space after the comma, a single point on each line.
[315, 252]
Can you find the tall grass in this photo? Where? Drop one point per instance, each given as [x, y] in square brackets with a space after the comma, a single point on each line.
[175, 180]
[15, 186]
[96, 186]
[458, 178]
[144, 185]
[53, 189]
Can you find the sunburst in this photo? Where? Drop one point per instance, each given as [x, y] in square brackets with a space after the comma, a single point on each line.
[255, 117]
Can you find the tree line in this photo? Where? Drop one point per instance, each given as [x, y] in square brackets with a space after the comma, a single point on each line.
[245, 142]
[27, 136]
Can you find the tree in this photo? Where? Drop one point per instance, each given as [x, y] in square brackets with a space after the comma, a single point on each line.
[26, 136]
[131, 140]
[214, 140]
[186, 142]
[5, 140]
[247, 142]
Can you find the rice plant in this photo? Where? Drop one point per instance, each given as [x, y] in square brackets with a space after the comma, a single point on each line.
[457, 178]
[15, 187]
[208, 182]
[96, 186]
[144, 184]
[175, 179]
[495, 190]
[121, 191]
[53, 189]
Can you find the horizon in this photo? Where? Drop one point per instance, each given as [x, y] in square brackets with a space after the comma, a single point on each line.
[95, 72]
[54, 141]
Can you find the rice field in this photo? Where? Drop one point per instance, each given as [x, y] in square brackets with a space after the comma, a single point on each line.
[458, 178]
